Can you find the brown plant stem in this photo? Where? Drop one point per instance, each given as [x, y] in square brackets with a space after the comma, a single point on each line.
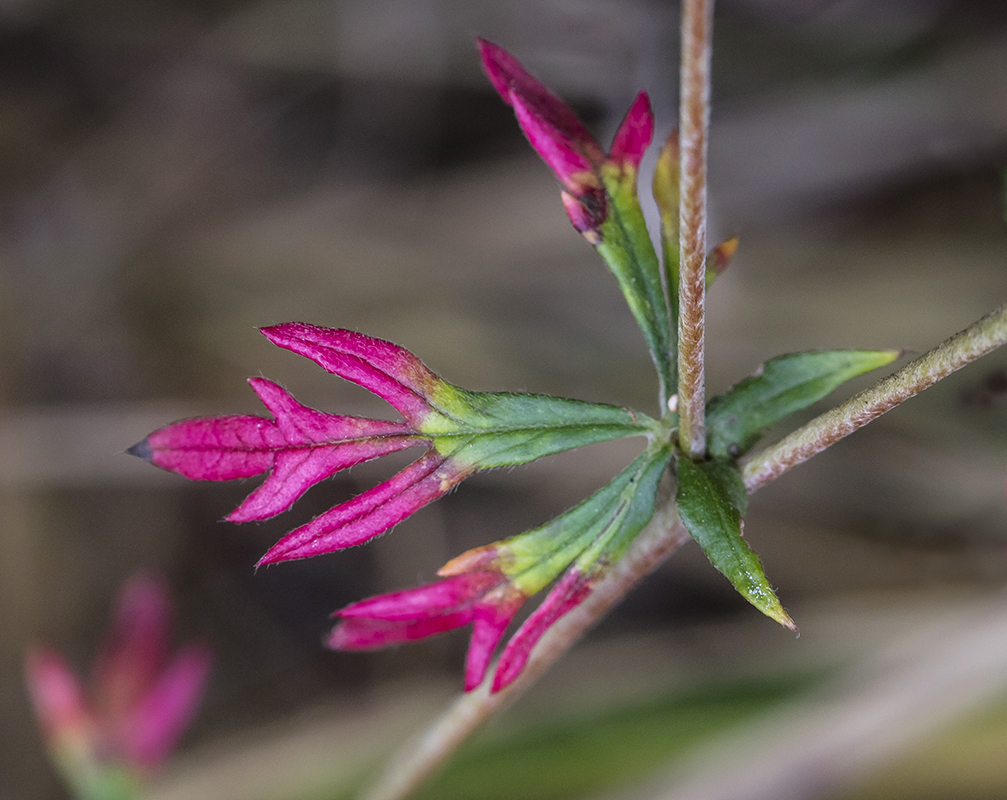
[694, 124]
[966, 346]
[421, 757]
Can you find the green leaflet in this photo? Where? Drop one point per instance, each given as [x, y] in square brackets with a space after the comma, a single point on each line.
[785, 384]
[711, 499]
[602, 526]
[500, 429]
[634, 511]
[627, 249]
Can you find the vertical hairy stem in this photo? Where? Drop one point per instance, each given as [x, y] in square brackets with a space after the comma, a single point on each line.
[966, 346]
[420, 758]
[694, 123]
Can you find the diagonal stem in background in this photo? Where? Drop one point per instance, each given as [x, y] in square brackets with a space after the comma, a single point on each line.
[694, 124]
[976, 340]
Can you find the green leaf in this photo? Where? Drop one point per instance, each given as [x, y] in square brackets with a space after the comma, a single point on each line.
[783, 385]
[603, 525]
[501, 429]
[627, 249]
[711, 499]
[665, 188]
[636, 507]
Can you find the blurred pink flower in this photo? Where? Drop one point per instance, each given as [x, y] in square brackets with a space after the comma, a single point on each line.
[105, 737]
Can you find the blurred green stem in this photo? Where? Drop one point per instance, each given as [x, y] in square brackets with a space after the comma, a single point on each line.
[694, 124]
[964, 347]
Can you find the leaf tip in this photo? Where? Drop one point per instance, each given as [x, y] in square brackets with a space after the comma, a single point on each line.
[142, 450]
[728, 249]
[768, 603]
[785, 620]
[634, 134]
[271, 557]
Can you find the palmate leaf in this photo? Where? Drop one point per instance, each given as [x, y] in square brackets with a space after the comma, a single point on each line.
[463, 431]
[711, 500]
[785, 384]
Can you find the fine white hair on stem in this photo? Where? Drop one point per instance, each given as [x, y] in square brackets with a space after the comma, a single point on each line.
[694, 124]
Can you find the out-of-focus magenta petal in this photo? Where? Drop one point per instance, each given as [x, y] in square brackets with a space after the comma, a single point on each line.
[570, 592]
[424, 601]
[634, 134]
[156, 724]
[366, 633]
[135, 709]
[56, 694]
[373, 512]
[135, 647]
[386, 369]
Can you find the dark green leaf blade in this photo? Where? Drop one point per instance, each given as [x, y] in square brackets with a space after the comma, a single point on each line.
[665, 189]
[711, 499]
[627, 249]
[504, 429]
[785, 384]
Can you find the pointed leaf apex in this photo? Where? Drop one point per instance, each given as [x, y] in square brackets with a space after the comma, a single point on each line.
[783, 385]
[757, 592]
[722, 254]
[719, 258]
[635, 134]
[711, 498]
[142, 450]
[495, 62]
[512, 80]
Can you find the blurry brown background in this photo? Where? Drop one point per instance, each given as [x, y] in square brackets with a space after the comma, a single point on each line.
[174, 174]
